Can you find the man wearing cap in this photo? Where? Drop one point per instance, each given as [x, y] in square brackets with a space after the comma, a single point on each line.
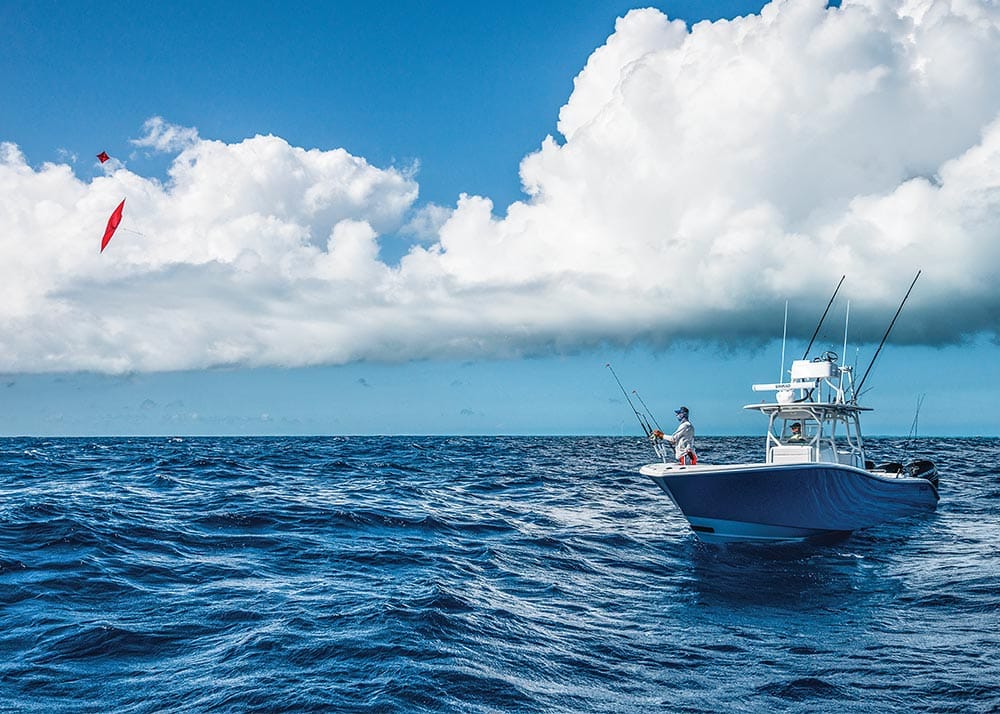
[682, 439]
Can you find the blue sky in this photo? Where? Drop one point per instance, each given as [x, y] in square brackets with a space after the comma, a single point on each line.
[461, 87]
[437, 104]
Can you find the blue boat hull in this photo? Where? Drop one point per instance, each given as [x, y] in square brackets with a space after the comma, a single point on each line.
[788, 502]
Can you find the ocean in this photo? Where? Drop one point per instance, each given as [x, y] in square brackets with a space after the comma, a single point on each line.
[481, 574]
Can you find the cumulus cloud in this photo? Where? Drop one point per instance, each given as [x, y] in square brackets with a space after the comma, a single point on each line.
[703, 176]
[425, 225]
[164, 137]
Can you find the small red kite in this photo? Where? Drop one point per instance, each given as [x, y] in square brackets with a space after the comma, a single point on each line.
[113, 222]
[103, 156]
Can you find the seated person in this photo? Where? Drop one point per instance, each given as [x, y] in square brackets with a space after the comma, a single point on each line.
[796, 436]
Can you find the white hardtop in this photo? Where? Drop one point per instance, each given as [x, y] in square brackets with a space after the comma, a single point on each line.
[815, 398]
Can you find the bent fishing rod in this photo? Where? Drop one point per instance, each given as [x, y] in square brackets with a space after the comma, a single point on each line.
[649, 412]
[645, 425]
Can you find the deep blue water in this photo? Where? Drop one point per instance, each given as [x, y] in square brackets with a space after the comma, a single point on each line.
[470, 575]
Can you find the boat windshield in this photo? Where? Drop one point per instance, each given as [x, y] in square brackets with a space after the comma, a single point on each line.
[814, 433]
[795, 431]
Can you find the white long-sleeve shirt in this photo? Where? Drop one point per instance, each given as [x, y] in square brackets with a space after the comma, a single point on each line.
[682, 439]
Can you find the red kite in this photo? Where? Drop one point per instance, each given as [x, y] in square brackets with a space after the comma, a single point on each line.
[103, 156]
[113, 222]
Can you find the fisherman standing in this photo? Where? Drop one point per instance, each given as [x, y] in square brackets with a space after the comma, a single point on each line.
[682, 439]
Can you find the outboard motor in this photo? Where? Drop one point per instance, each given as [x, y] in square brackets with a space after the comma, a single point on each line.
[923, 469]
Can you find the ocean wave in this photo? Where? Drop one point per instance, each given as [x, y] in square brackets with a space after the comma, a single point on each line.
[469, 575]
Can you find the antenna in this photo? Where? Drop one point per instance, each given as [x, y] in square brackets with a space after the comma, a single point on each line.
[854, 371]
[886, 335]
[847, 320]
[784, 336]
[816, 331]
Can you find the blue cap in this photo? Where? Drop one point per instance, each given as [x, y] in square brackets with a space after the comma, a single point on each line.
[682, 410]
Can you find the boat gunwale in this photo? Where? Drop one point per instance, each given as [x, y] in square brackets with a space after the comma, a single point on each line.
[669, 470]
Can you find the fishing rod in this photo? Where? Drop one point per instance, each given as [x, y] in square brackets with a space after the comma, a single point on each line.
[643, 424]
[816, 331]
[886, 335]
[649, 412]
[916, 417]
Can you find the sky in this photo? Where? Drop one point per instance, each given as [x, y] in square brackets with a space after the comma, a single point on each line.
[448, 219]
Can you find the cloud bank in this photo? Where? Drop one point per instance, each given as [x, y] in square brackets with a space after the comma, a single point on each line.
[703, 176]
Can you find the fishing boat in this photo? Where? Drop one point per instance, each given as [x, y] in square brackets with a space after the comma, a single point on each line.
[813, 484]
[815, 481]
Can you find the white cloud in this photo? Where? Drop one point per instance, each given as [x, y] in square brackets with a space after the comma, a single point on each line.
[425, 225]
[704, 176]
[164, 137]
